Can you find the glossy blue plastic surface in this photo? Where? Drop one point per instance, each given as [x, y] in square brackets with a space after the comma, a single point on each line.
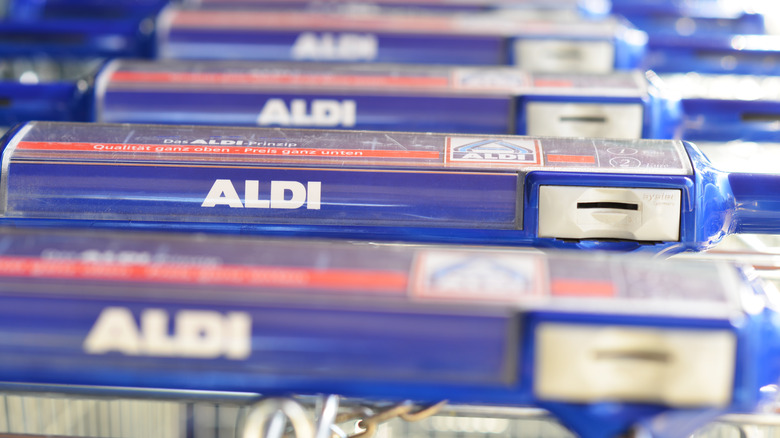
[734, 54]
[47, 10]
[45, 42]
[669, 114]
[724, 10]
[705, 21]
[735, 202]
[713, 202]
[630, 48]
[724, 120]
[60, 101]
[277, 45]
[75, 38]
[757, 201]
[377, 111]
[725, 107]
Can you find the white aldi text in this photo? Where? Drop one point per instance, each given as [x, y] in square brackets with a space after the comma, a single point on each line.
[224, 193]
[328, 46]
[200, 334]
[323, 113]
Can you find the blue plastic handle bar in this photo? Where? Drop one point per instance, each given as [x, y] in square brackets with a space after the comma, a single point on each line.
[756, 201]
[455, 188]
[103, 312]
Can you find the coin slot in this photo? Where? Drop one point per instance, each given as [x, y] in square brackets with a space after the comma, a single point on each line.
[582, 119]
[676, 367]
[571, 53]
[646, 356]
[760, 117]
[613, 205]
[638, 214]
[585, 119]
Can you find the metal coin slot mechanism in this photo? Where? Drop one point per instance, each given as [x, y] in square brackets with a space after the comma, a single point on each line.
[605, 120]
[677, 367]
[572, 212]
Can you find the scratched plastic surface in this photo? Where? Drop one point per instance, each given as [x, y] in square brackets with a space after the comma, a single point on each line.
[358, 184]
[429, 187]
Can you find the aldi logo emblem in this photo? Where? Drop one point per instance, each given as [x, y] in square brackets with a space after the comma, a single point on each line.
[498, 277]
[493, 150]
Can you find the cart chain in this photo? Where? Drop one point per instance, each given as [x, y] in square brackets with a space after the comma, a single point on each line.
[405, 411]
[271, 417]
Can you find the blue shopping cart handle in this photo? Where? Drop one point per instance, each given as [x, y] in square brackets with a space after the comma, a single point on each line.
[601, 340]
[647, 195]
[757, 202]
